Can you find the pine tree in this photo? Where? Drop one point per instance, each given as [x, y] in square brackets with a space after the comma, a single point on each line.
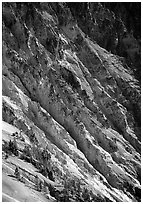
[10, 146]
[15, 147]
[17, 173]
[6, 156]
[85, 195]
[37, 183]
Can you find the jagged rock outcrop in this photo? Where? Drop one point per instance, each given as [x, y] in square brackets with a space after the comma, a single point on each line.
[79, 100]
[114, 26]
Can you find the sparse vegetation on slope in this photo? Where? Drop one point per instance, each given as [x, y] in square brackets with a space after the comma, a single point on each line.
[71, 109]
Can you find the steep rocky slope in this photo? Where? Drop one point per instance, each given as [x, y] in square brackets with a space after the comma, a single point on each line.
[74, 101]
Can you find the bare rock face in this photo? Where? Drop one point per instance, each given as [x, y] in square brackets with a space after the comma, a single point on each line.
[73, 99]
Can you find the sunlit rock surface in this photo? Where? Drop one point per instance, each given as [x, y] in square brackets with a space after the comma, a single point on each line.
[80, 101]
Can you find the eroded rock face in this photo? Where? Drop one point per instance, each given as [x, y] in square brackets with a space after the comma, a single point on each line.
[80, 100]
[114, 26]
